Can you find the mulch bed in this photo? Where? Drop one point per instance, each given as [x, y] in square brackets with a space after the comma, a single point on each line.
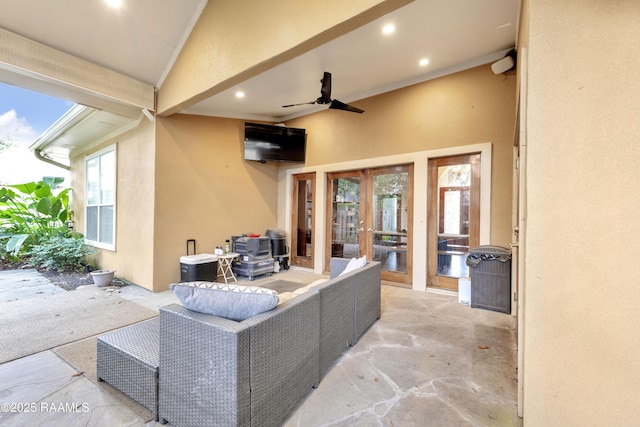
[67, 280]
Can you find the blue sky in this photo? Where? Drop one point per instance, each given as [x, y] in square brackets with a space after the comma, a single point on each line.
[32, 109]
[24, 116]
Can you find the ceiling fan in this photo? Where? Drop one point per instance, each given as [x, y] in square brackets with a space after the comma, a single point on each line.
[325, 97]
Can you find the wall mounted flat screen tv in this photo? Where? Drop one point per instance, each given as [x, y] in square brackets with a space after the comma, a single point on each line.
[269, 143]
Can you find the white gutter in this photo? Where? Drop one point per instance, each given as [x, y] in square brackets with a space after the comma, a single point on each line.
[40, 156]
[71, 118]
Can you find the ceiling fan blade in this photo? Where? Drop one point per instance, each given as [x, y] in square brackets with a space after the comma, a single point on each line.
[302, 103]
[337, 105]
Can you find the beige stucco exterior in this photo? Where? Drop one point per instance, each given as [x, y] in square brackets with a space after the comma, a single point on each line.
[204, 190]
[135, 205]
[580, 321]
[470, 107]
[197, 185]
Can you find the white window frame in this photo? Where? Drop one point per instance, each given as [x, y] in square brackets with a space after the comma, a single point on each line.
[97, 243]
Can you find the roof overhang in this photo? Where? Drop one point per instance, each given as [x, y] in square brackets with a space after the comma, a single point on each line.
[80, 129]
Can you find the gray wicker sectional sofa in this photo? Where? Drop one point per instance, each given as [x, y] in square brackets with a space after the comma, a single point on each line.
[219, 372]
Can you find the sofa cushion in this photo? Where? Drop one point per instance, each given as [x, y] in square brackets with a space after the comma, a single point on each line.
[233, 302]
[354, 264]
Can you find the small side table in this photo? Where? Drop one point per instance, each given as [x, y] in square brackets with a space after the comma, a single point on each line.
[224, 266]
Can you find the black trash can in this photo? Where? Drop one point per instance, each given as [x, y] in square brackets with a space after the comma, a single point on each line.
[279, 247]
[278, 243]
[490, 278]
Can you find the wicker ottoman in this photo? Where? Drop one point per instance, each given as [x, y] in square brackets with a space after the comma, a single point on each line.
[128, 360]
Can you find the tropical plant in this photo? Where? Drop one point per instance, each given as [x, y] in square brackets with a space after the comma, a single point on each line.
[32, 213]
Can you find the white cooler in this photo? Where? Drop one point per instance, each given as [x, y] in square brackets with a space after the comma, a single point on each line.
[199, 267]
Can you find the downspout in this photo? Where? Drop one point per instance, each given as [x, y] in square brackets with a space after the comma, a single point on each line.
[39, 156]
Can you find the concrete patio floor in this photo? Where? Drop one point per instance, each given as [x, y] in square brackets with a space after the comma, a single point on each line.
[429, 361]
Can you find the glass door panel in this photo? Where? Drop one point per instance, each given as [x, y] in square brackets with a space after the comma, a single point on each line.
[453, 227]
[454, 186]
[370, 214]
[346, 221]
[302, 220]
[391, 207]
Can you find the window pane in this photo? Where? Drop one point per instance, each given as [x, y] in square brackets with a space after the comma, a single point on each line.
[345, 217]
[391, 220]
[106, 224]
[453, 219]
[101, 197]
[304, 219]
[107, 178]
[91, 232]
[93, 184]
[452, 212]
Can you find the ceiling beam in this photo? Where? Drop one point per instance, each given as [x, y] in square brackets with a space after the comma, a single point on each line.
[34, 66]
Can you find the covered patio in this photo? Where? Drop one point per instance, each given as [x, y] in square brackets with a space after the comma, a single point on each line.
[429, 359]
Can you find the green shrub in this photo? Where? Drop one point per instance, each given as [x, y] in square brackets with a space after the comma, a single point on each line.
[60, 253]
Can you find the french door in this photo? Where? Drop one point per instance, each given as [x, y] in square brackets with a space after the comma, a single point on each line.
[302, 223]
[453, 223]
[370, 213]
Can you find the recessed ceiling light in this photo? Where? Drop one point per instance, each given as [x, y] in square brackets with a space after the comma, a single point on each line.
[424, 62]
[239, 94]
[389, 29]
[114, 3]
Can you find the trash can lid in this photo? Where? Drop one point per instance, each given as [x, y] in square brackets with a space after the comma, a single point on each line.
[198, 259]
[275, 233]
[488, 253]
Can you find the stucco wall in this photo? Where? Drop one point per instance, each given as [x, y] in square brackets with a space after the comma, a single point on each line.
[205, 190]
[581, 341]
[469, 107]
[192, 181]
[133, 258]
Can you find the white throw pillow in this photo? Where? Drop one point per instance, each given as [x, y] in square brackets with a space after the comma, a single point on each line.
[233, 302]
[354, 264]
